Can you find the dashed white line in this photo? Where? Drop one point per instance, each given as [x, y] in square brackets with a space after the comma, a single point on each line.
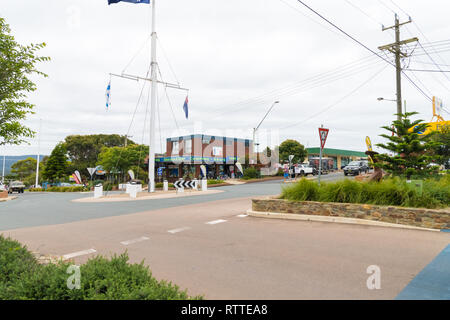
[128, 242]
[178, 230]
[79, 253]
[216, 221]
[242, 215]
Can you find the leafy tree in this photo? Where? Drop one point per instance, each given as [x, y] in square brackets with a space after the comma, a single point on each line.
[56, 167]
[121, 159]
[411, 150]
[441, 149]
[17, 63]
[293, 147]
[83, 150]
[25, 170]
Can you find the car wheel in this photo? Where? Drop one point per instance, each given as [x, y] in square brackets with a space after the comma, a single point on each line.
[345, 173]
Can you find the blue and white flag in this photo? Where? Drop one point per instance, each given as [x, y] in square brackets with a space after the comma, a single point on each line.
[108, 95]
[131, 1]
[185, 107]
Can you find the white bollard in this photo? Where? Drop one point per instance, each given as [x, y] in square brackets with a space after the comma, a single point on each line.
[204, 185]
[127, 188]
[139, 188]
[98, 192]
[166, 185]
[133, 191]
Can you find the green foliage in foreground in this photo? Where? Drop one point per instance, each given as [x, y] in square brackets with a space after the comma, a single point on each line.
[21, 277]
[395, 192]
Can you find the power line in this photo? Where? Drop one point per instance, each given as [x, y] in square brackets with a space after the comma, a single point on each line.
[338, 101]
[366, 47]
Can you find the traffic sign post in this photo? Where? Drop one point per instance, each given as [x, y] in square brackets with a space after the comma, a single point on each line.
[323, 134]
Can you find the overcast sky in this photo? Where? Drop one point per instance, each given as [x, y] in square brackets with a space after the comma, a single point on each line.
[236, 57]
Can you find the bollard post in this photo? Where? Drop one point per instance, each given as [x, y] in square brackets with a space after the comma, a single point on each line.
[204, 185]
[133, 191]
[166, 185]
[98, 191]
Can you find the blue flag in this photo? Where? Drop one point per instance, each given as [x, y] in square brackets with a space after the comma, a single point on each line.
[185, 107]
[132, 1]
[108, 95]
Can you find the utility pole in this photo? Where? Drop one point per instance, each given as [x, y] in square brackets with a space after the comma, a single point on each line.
[395, 48]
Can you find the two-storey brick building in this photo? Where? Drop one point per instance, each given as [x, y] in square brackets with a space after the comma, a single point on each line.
[184, 156]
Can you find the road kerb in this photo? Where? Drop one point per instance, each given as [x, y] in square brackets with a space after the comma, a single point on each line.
[317, 218]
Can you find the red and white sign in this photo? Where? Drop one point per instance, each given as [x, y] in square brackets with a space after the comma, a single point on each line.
[323, 133]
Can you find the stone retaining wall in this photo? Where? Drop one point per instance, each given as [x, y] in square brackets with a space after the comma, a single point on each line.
[3, 194]
[425, 218]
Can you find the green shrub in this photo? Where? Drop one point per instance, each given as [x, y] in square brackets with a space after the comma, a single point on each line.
[212, 182]
[395, 192]
[251, 173]
[21, 277]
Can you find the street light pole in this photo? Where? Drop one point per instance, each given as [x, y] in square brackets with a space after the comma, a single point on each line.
[257, 127]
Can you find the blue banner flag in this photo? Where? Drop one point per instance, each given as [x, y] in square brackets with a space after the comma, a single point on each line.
[185, 107]
[108, 95]
[131, 1]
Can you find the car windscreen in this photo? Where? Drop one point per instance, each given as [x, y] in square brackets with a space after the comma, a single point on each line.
[354, 163]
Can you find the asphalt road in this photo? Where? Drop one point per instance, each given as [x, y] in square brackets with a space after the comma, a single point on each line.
[38, 209]
[207, 244]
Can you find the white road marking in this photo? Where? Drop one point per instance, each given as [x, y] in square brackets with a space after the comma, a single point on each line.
[79, 253]
[128, 242]
[242, 215]
[216, 221]
[178, 230]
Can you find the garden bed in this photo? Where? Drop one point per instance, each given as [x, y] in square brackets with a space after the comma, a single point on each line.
[418, 217]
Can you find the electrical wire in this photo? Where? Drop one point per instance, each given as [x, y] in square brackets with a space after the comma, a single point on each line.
[366, 47]
[338, 101]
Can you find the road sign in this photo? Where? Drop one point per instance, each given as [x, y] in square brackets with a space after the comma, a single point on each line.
[91, 171]
[323, 133]
[291, 157]
[160, 171]
[184, 184]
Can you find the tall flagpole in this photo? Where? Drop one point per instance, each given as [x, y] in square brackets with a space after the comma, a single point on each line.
[154, 66]
[38, 155]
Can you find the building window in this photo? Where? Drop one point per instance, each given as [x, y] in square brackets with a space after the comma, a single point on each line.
[217, 151]
[206, 139]
[188, 146]
[175, 147]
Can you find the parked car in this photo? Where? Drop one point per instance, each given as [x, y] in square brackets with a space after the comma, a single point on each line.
[304, 169]
[356, 168]
[16, 186]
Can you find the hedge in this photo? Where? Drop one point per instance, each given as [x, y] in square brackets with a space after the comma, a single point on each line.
[22, 277]
[394, 191]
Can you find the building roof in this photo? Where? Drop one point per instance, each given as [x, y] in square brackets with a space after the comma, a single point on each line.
[336, 152]
[192, 136]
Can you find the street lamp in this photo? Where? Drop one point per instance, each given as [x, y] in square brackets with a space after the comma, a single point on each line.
[381, 99]
[257, 127]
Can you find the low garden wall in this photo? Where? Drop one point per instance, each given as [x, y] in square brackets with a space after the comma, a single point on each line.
[424, 218]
